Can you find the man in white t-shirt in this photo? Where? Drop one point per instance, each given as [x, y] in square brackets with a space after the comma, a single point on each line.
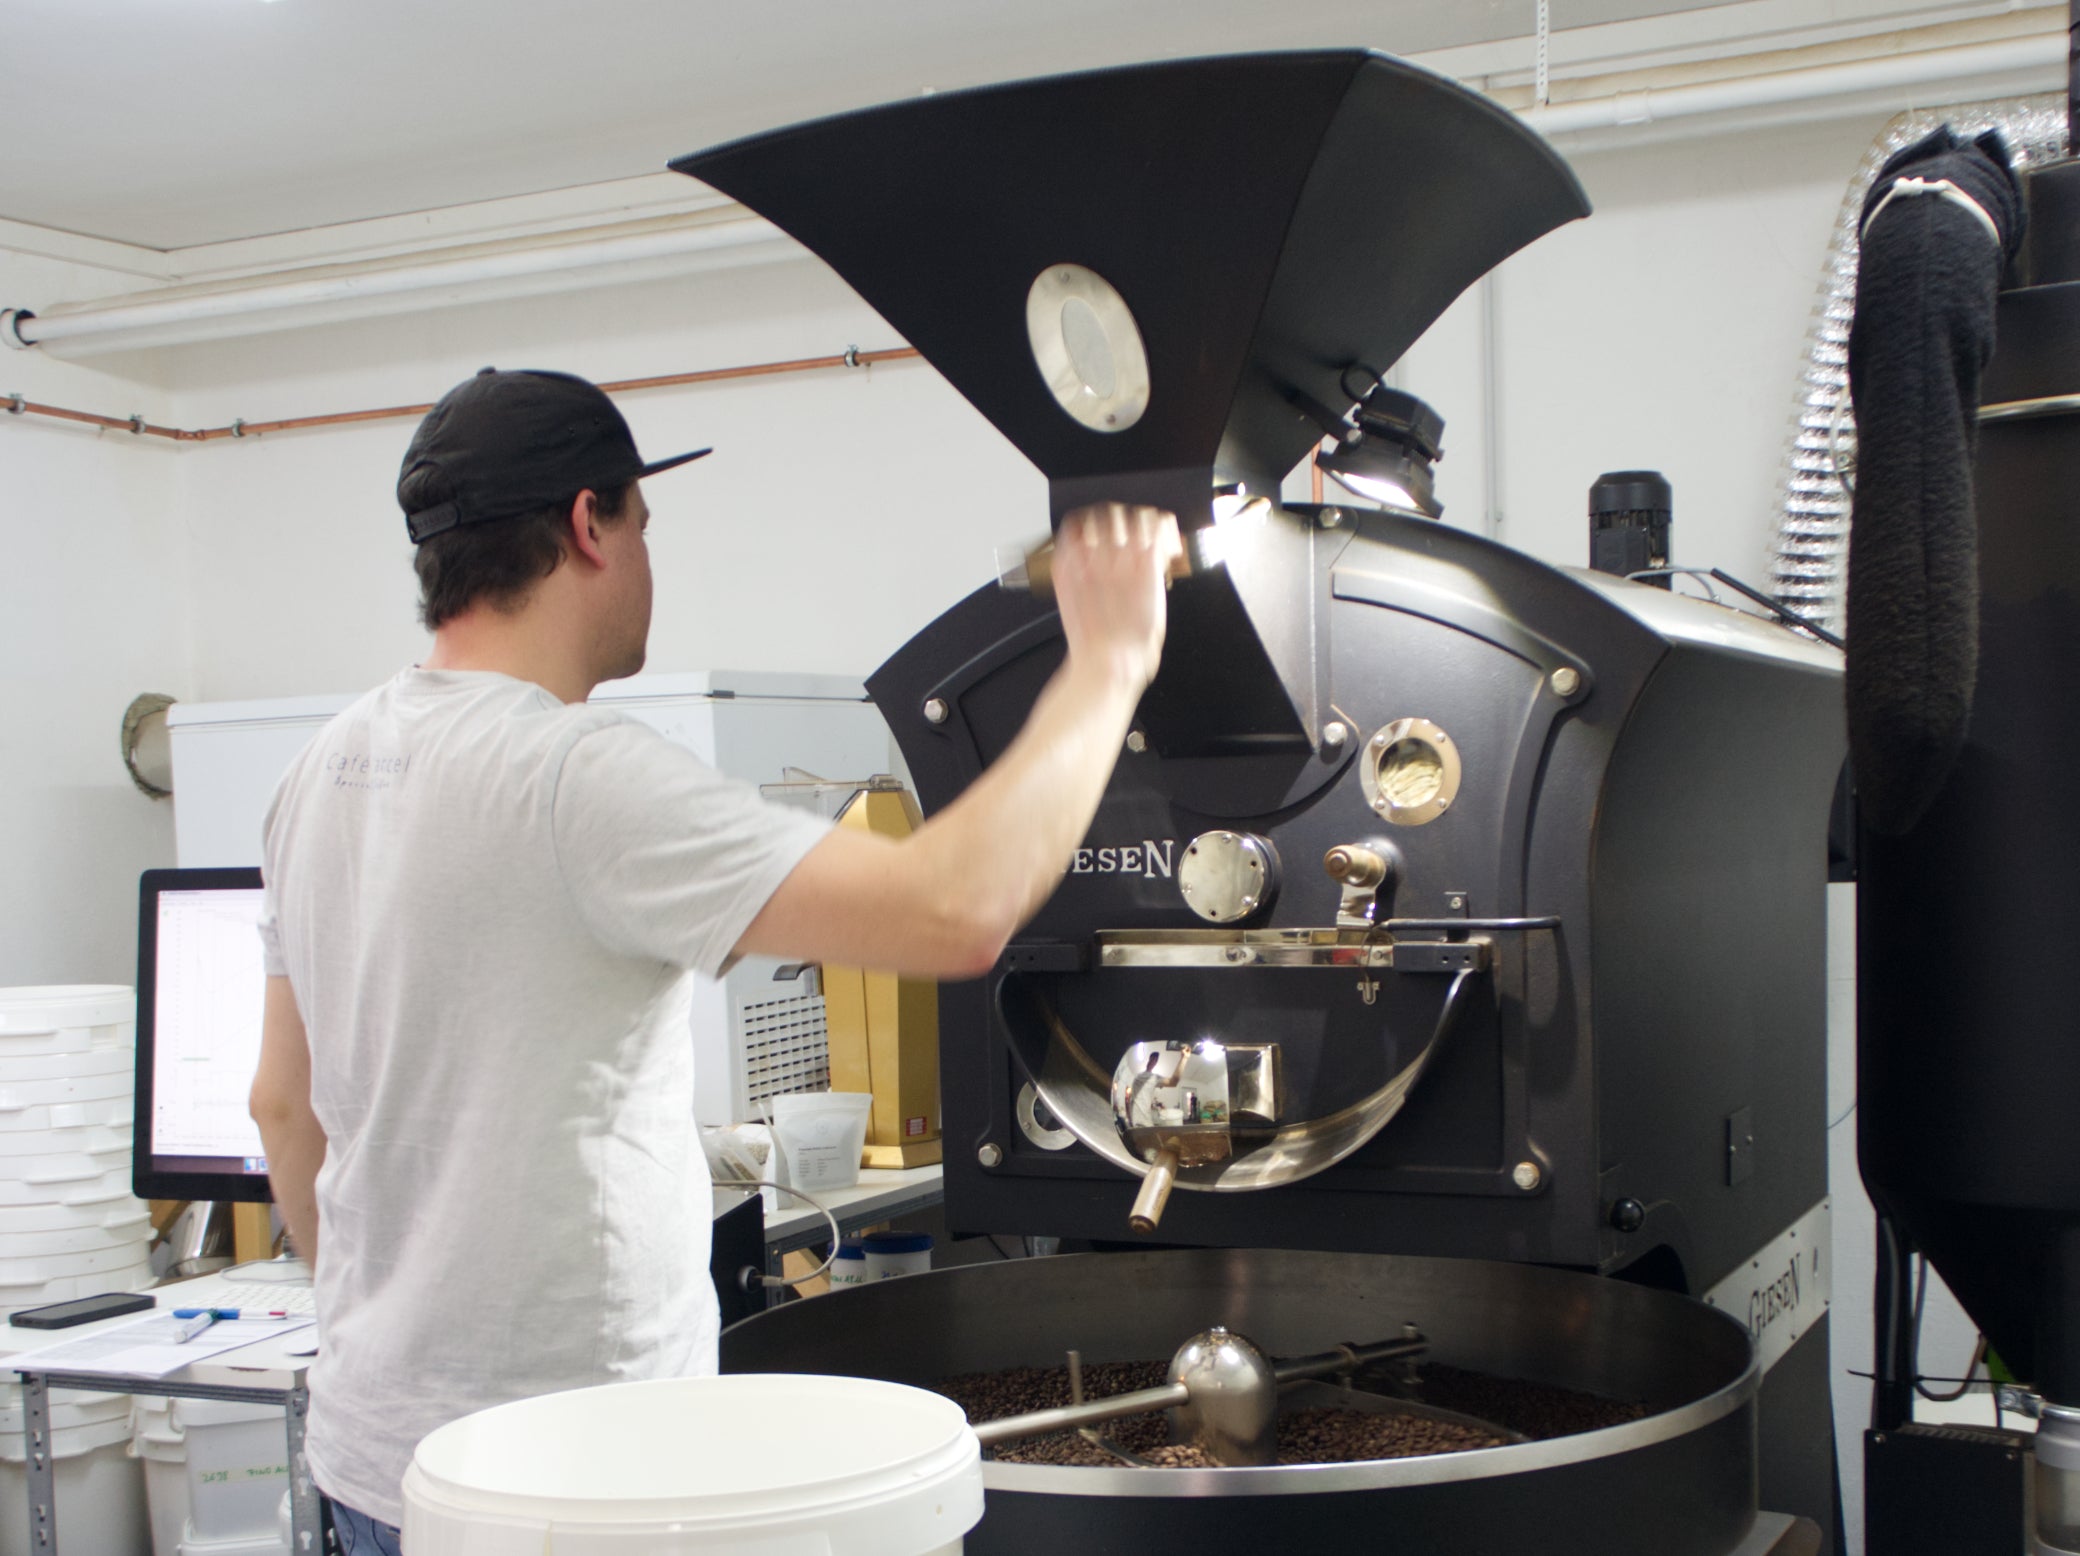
[485, 903]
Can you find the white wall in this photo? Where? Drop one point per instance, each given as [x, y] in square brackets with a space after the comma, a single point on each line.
[843, 509]
[1665, 332]
[840, 511]
[93, 610]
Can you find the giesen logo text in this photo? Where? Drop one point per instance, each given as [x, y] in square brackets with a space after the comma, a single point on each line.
[1148, 859]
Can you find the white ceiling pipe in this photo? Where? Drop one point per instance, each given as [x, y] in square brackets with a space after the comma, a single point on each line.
[159, 320]
[1891, 73]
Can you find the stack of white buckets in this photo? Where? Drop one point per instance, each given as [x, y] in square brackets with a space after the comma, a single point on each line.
[69, 1228]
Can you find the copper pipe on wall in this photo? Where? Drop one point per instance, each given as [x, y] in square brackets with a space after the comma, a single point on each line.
[851, 357]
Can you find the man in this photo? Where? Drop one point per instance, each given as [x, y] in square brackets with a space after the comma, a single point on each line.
[484, 900]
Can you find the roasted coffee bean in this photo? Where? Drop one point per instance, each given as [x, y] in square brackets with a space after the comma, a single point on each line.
[1308, 1436]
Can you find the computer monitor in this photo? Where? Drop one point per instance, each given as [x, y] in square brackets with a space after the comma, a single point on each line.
[201, 987]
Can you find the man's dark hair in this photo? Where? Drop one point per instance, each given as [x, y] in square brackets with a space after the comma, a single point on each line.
[495, 563]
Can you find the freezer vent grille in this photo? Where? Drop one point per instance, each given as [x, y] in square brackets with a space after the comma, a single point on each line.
[786, 1048]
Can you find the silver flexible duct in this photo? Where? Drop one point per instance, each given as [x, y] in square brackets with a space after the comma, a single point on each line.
[1809, 570]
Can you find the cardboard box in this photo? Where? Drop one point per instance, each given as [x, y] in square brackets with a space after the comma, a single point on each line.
[884, 1030]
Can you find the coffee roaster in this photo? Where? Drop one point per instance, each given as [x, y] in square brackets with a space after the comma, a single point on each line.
[1444, 904]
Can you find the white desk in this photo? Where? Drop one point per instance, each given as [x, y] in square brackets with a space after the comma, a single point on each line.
[882, 1194]
[261, 1373]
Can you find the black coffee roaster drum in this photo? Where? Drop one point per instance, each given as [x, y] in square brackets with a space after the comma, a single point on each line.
[1451, 932]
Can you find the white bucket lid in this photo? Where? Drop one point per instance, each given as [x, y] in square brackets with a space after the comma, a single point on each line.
[703, 1464]
[53, 1007]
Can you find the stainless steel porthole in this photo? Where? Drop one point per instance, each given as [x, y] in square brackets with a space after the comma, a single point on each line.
[1088, 347]
[1410, 772]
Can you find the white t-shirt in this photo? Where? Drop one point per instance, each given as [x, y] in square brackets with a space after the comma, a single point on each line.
[485, 901]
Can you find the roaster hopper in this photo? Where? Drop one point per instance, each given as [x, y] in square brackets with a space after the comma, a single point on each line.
[1520, 871]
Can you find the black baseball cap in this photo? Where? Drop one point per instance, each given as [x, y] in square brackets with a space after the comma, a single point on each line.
[513, 443]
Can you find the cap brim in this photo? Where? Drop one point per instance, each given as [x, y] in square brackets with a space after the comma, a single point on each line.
[666, 464]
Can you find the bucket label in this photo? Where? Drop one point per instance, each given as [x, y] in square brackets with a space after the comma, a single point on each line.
[1784, 1289]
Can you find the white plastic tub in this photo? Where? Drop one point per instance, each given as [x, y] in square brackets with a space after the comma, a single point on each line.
[100, 1488]
[67, 1018]
[93, 1139]
[113, 1215]
[91, 1181]
[238, 1466]
[28, 1068]
[268, 1544]
[753, 1463]
[214, 1470]
[107, 1087]
[113, 1256]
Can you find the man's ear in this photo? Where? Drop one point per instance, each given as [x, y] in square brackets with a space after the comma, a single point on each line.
[584, 528]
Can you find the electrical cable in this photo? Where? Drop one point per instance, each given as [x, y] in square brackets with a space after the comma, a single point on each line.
[1964, 1385]
[748, 1276]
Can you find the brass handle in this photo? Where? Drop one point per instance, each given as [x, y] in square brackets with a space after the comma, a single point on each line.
[1155, 1192]
[1039, 570]
[1355, 866]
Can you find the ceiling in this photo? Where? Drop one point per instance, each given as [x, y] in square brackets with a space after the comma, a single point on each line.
[169, 123]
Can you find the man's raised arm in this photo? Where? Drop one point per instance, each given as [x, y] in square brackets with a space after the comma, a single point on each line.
[943, 902]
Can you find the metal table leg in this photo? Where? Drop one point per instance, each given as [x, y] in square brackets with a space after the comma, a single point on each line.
[305, 1525]
[42, 1482]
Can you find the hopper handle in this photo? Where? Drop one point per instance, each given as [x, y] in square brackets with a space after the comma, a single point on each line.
[1155, 1192]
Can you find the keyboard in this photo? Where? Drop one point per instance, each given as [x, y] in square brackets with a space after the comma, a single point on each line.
[268, 1296]
[277, 1286]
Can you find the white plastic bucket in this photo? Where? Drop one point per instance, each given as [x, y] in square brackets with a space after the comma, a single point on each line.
[67, 1018]
[163, 1451]
[100, 1489]
[107, 1087]
[238, 1467]
[56, 1266]
[110, 1215]
[264, 1544]
[93, 1181]
[822, 1133]
[96, 1139]
[27, 1069]
[765, 1463]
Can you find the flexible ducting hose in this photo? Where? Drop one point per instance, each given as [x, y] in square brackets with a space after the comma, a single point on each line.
[1940, 225]
[1809, 570]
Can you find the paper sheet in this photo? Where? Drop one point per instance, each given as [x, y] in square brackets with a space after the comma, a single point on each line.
[151, 1347]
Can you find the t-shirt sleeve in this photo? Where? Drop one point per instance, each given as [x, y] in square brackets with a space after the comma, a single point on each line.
[663, 856]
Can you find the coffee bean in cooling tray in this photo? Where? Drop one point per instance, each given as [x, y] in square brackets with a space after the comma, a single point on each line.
[1311, 1436]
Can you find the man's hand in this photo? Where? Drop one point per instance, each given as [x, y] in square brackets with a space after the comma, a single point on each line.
[1111, 565]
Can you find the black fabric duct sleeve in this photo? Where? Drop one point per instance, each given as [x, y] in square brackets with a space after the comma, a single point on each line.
[1922, 335]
